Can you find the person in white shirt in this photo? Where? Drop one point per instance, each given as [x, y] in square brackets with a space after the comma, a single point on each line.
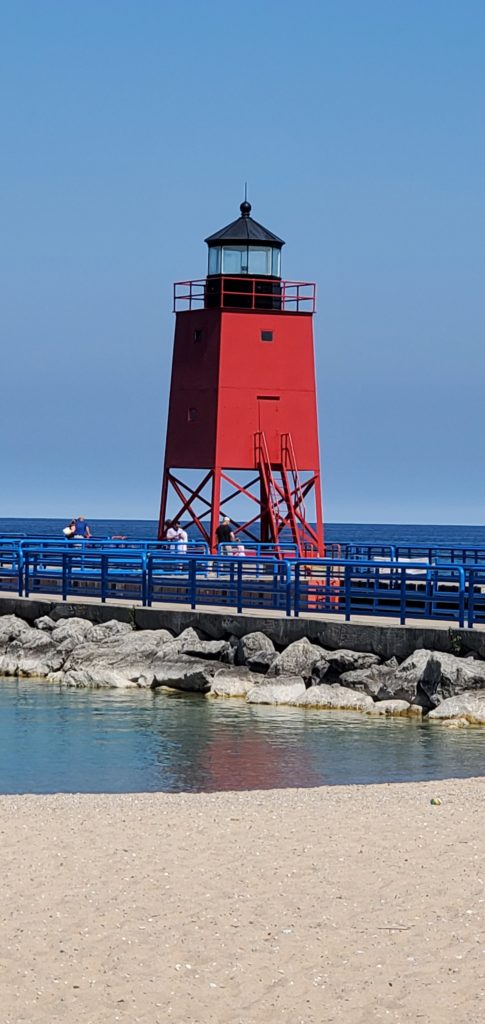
[176, 533]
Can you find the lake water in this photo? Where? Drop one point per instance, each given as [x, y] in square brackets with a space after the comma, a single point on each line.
[58, 740]
[361, 533]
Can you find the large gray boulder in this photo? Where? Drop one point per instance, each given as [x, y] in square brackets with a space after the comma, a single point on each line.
[190, 674]
[12, 628]
[391, 708]
[299, 659]
[187, 641]
[371, 681]
[69, 633]
[74, 626]
[405, 682]
[333, 697]
[342, 661]
[211, 649]
[282, 690]
[236, 682]
[468, 706]
[456, 675]
[123, 660]
[228, 657]
[252, 644]
[261, 661]
[45, 623]
[33, 654]
[110, 629]
[428, 677]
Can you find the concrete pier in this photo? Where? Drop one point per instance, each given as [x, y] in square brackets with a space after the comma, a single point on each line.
[382, 636]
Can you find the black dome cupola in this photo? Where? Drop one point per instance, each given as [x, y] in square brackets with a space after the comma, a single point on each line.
[245, 247]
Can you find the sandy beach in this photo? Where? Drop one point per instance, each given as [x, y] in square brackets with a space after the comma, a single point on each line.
[353, 904]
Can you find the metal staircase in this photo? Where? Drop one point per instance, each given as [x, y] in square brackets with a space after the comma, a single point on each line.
[270, 499]
[283, 494]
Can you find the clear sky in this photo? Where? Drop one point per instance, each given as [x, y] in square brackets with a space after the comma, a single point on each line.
[128, 128]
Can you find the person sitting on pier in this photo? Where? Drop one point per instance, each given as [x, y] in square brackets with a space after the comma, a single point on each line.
[69, 531]
[82, 529]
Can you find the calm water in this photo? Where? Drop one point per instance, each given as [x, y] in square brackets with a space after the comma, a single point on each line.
[54, 740]
[363, 533]
[58, 740]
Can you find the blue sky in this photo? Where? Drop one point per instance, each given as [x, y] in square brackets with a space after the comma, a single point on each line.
[128, 130]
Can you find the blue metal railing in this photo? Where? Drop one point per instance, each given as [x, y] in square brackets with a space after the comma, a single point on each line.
[407, 590]
[192, 547]
[85, 573]
[11, 566]
[151, 571]
[466, 555]
[476, 595]
[223, 581]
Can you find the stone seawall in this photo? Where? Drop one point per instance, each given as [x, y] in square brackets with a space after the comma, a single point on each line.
[73, 650]
[387, 641]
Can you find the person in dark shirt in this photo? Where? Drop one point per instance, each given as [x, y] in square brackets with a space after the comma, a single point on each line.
[224, 533]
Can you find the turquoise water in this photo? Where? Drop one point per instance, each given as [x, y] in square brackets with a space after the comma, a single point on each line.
[57, 740]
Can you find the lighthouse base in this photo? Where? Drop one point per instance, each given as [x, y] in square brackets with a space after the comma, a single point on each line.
[266, 504]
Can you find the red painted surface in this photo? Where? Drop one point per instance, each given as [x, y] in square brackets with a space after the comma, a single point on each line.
[228, 386]
[231, 384]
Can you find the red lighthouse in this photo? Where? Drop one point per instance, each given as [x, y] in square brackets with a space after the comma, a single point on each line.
[243, 411]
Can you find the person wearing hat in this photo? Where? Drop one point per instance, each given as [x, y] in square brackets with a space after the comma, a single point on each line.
[224, 533]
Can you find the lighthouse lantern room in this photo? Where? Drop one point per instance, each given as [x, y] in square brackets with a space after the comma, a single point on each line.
[242, 431]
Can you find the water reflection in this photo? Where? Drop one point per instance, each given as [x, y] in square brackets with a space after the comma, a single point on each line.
[55, 740]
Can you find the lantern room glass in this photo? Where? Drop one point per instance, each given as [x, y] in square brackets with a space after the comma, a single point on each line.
[258, 260]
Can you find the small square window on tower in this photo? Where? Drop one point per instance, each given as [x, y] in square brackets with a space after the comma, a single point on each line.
[192, 415]
[197, 334]
[266, 335]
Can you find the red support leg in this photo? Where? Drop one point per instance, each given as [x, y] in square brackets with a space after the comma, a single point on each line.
[163, 504]
[319, 516]
[216, 507]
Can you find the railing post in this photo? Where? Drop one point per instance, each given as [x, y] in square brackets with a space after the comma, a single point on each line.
[287, 566]
[239, 586]
[27, 574]
[65, 558]
[429, 594]
[461, 598]
[348, 585]
[402, 603]
[149, 595]
[20, 567]
[471, 599]
[193, 582]
[144, 579]
[104, 567]
[296, 597]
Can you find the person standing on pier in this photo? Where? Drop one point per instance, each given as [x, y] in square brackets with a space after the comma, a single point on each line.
[224, 532]
[177, 534]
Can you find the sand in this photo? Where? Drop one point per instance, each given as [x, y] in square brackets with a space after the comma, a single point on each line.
[353, 904]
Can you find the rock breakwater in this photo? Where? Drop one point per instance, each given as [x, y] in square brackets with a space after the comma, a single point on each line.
[75, 652]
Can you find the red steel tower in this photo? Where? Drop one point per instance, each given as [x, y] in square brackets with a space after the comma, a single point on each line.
[243, 410]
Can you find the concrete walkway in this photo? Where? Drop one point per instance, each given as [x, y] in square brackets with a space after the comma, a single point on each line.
[264, 613]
